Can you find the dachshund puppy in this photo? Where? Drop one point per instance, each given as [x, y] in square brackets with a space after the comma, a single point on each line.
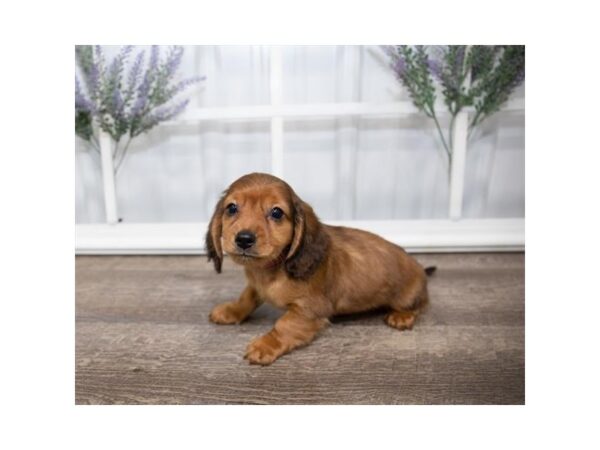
[310, 269]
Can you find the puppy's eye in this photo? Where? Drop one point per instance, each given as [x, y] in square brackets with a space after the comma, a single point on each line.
[231, 209]
[276, 213]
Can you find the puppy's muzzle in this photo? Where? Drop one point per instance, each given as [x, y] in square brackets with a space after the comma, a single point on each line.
[245, 239]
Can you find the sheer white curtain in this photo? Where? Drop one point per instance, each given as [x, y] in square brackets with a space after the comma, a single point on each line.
[348, 168]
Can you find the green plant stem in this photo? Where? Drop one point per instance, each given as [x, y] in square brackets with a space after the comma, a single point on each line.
[441, 133]
[470, 132]
[475, 123]
[451, 130]
[122, 157]
[95, 143]
[475, 120]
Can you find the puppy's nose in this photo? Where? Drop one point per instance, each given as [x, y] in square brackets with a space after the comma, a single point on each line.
[245, 239]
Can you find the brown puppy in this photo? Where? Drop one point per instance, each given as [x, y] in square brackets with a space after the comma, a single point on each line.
[313, 270]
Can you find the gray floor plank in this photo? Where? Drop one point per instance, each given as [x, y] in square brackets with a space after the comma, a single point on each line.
[142, 337]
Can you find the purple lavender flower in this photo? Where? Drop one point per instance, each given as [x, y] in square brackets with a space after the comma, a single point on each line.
[146, 100]
[117, 64]
[134, 73]
[142, 96]
[93, 79]
[154, 118]
[173, 61]
[493, 77]
[113, 81]
[144, 88]
[89, 68]
[118, 104]
[99, 57]
[125, 52]
[164, 113]
[154, 58]
[182, 85]
[81, 102]
[397, 63]
[388, 50]
[435, 68]
[436, 59]
[178, 108]
[399, 66]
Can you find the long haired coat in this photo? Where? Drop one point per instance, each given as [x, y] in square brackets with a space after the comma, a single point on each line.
[310, 269]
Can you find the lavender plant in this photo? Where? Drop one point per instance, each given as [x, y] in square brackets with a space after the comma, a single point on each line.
[126, 105]
[479, 76]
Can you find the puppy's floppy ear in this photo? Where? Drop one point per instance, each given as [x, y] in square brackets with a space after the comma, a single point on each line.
[213, 235]
[309, 244]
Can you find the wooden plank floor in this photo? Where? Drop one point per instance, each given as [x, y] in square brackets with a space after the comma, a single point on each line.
[143, 337]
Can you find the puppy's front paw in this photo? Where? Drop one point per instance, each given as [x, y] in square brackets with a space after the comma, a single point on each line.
[264, 350]
[402, 320]
[225, 314]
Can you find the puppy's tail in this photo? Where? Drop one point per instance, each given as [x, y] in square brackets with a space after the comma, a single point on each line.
[430, 270]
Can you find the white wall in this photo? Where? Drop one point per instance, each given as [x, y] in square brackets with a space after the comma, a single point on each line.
[348, 168]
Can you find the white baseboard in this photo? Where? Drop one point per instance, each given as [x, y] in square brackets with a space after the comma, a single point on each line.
[431, 236]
